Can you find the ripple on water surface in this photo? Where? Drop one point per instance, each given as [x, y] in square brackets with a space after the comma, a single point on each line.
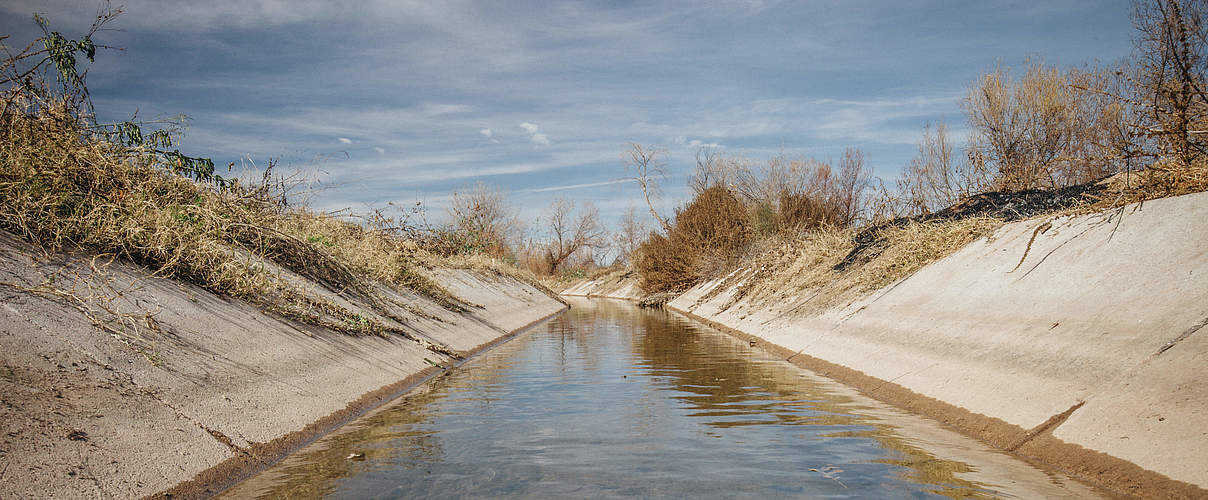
[611, 400]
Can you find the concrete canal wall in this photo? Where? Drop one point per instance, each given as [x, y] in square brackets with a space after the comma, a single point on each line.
[208, 389]
[623, 286]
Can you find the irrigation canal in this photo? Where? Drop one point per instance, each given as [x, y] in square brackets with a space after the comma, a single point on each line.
[608, 400]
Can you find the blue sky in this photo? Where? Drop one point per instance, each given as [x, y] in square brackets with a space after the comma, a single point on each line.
[404, 101]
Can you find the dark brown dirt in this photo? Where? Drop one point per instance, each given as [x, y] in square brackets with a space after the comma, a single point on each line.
[1115, 477]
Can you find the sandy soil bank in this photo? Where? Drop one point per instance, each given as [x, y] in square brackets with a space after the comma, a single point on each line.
[1075, 341]
[211, 386]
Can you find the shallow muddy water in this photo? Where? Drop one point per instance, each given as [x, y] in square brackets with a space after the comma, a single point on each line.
[608, 400]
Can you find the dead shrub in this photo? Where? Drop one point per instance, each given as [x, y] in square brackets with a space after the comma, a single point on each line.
[1168, 98]
[707, 237]
[483, 222]
[664, 266]
[800, 212]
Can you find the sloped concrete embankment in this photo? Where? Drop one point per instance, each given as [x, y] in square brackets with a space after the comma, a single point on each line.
[99, 401]
[619, 285]
[1076, 341]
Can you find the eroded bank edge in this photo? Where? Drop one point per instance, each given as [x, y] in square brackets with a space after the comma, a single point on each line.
[260, 456]
[1036, 446]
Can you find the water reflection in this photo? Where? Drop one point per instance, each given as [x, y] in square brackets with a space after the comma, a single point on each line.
[610, 400]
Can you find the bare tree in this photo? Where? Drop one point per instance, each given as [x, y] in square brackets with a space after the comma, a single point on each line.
[1170, 82]
[850, 187]
[1018, 125]
[928, 182]
[1048, 128]
[712, 169]
[571, 234]
[481, 215]
[645, 164]
[756, 183]
[937, 177]
[629, 235]
[1108, 139]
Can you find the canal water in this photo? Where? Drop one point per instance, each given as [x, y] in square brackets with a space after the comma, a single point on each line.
[608, 400]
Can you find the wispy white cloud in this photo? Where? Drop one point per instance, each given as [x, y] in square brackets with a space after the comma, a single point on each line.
[536, 137]
[380, 151]
[490, 135]
[577, 186]
[438, 109]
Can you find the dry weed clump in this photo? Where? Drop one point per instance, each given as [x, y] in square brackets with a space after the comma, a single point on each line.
[1159, 180]
[802, 268]
[801, 212]
[62, 187]
[68, 182]
[707, 238]
[913, 246]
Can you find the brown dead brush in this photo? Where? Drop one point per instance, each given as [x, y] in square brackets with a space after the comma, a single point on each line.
[800, 269]
[63, 187]
[1162, 179]
[707, 238]
[68, 182]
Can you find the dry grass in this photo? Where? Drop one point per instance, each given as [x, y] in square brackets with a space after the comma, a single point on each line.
[63, 188]
[802, 267]
[1160, 180]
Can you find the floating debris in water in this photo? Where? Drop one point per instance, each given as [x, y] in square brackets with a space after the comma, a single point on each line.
[830, 472]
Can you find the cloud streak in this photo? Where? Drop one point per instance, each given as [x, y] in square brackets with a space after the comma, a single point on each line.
[577, 186]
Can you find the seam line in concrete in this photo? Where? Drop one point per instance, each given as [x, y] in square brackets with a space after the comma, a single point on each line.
[895, 379]
[1052, 423]
[1183, 336]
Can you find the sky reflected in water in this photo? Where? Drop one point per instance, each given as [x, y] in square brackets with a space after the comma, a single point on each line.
[608, 400]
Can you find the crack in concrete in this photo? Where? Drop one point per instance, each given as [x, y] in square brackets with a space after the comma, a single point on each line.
[216, 434]
[894, 380]
[1052, 423]
[1183, 336]
[222, 438]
